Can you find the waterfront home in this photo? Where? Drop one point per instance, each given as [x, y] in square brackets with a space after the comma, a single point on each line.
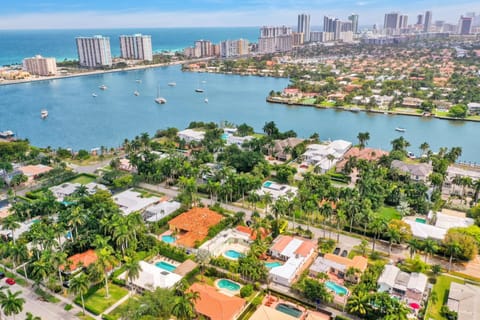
[236, 240]
[130, 201]
[125, 165]
[338, 266]
[161, 210]
[33, 171]
[464, 299]
[326, 156]
[190, 135]
[408, 287]
[368, 154]
[297, 254]
[423, 231]
[152, 277]
[232, 139]
[215, 305]
[455, 173]
[277, 190]
[192, 227]
[417, 172]
[79, 261]
[473, 108]
[282, 149]
[67, 189]
[410, 102]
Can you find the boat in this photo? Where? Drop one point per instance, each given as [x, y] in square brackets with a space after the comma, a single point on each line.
[94, 95]
[138, 81]
[44, 114]
[355, 109]
[7, 134]
[158, 99]
[206, 100]
[103, 87]
[199, 90]
[136, 93]
[399, 129]
[172, 84]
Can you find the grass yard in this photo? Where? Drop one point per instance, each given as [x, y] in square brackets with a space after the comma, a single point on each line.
[95, 300]
[441, 288]
[83, 317]
[148, 193]
[389, 213]
[82, 179]
[118, 311]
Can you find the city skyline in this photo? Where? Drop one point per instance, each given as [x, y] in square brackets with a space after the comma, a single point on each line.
[54, 14]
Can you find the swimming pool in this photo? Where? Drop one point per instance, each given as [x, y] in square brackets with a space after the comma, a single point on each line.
[165, 266]
[420, 220]
[228, 285]
[168, 239]
[224, 136]
[271, 265]
[267, 184]
[338, 289]
[233, 254]
[289, 309]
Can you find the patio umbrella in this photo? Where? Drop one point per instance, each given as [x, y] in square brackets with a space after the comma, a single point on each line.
[414, 305]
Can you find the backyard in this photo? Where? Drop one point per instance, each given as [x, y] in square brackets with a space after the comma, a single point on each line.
[441, 287]
[95, 300]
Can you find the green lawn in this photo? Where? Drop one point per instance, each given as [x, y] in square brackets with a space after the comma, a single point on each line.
[389, 213]
[118, 311]
[84, 317]
[82, 179]
[95, 300]
[308, 101]
[441, 288]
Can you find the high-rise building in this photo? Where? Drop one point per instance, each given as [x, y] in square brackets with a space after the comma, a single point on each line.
[354, 19]
[94, 52]
[303, 26]
[420, 19]
[428, 21]
[403, 22]
[136, 47]
[391, 23]
[233, 48]
[275, 39]
[40, 66]
[336, 30]
[465, 25]
[203, 48]
[298, 39]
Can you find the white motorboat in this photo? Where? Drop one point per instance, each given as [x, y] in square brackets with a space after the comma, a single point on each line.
[136, 93]
[158, 99]
[172, 84]
[399, 129]
[44, 114]
[103, 87]
[94, 95]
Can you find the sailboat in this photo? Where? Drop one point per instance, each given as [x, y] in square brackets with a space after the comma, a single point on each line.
[160, 100]
[199, 89]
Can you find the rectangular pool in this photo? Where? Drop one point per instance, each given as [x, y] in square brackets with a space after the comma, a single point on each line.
[165, 266]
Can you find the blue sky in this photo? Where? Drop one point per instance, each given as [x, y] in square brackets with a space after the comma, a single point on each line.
[27, 14]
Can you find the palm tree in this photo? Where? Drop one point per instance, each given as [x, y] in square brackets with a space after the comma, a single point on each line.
[413, 246]
[11, 303]
[363, 137]
[359, 303]
[30, 316]
[424, 147]
[105, 262]
[11, 223]
[393, 236]
[79, 285]
[18, 253]
[184, 308]
[133, 268]
[429, 247]
[453, 249]
[267, 199]
[377, 227]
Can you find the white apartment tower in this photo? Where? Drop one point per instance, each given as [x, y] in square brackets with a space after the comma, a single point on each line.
[136, 47]
[233, 48]
[40, 66]
[428, 21]
[303, 26]
[275, 39]
[94, 52]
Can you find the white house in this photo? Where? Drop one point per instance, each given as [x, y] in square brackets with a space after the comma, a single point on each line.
[190, 135]
[130, 201]
[152, 277]
[67, 189]
[161, 210]
[326, 156]
[409, 287]
[276, 190]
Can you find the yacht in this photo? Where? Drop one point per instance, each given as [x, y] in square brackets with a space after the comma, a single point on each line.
[355, 109]
[399, 129]
[199, 90]
[138, 81]
[103, 87]
[7, 134]
[136, 93]
[158, 99]
[172, 84]
[44, 114]
[206, 100]
[94, 95]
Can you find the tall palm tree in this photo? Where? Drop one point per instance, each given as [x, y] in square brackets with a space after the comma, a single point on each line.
[453, 249]
[393, 236]
[359, 304]
[79, 285]
[429, 247]
[267, 199]
[377, 227]
[11, 303]
[363, 137]
[413, 246]
[11, 223]
[18, 253]
[133, 268]
[184, 308]
[105, 262]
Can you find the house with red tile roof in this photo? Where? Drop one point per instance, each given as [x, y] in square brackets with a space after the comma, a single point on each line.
[338, 266]
[215, 305]
[296, 252]
[79, 260]
[192, 226]
[368, 154]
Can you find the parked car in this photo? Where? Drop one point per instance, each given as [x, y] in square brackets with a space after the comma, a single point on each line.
[344, 253]
[2, 275]
[10, 281]
[336, 251]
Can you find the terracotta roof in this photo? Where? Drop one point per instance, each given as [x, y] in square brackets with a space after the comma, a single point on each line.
[216, 305]
[184, 268]
[252, 233]
[34, 170]
[84, 259]
[195, 223]
[305, 248]
[358, 262]
[368, 154]
[281, 243]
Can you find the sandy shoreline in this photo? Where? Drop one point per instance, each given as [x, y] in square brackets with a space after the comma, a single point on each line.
[94, 72]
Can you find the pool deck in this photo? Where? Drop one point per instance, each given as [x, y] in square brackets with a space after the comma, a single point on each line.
[159, 258]
[225, 291]
[272, 302]
[236, 247]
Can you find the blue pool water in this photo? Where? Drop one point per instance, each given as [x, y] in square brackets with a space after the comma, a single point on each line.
[168, 239]
[420, 220]
[232, 254]
[289, 309]
[224, 136]
[271, 265]
[338, 289]
[165, 266]
[267, 184]
[228, 285]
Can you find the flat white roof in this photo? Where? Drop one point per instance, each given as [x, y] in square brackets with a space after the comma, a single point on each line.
[417, 282]
[288, 269]
[152, 277]
[291, 247]
[446, 221]
[389, 275]
[130, 201]
[425, 231]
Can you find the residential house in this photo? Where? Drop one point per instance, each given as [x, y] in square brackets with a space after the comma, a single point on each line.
[125, 165]
[473, 108]
[79, 261]
[326, 156]
[417, 172]
[67, 189]
[130, 201]
[277, 190]
[151, 277]
[338, 266]
[296, 252]
[409, 287]
[190, 135]
[192, 226]
[464, 299]
[159, 211]
[282, 149]
[411, 102]
[452, 186]
[33, 171]
[215, 305]
[264, 312]
[242, 237]
[368, 154]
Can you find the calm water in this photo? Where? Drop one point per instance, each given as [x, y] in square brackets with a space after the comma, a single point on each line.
[77, 120]
[18, 44]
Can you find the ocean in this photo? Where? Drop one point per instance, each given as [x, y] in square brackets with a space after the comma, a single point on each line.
[18, 44]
